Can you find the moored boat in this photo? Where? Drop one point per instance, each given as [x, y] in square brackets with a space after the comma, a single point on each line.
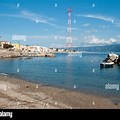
[106, 64]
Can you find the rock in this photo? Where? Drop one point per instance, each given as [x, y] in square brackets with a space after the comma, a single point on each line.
[56, 103]
[107, 60]
[37, 86]
[42, 54]
[115, 103]
[111, 58]
[93, 103]
[118, 61]
[27, 86]
[8, 54]
[49, 55]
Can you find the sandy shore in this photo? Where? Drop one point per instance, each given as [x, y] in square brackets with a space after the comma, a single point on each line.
[20, 94]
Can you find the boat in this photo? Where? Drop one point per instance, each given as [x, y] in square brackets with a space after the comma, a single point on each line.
[106, 64]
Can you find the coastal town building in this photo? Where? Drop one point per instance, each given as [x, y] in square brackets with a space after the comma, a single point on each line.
[34, 49]
[30, 49]
[3, 42]
[16, 46]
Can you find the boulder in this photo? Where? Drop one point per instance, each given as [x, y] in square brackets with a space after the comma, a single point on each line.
[9, 54]
[118, 61]
[112, 58]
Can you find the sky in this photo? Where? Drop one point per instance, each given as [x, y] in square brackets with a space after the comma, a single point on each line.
[45, 22]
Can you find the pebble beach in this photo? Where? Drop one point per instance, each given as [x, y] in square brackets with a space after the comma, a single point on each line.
[16, 93]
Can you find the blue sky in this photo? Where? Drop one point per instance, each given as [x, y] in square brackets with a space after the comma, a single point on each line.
[44, 22]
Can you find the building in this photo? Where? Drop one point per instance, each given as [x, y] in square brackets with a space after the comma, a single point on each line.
[16, 46]
[3, 42]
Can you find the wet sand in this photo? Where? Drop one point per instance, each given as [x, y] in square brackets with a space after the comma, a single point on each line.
[20, 94]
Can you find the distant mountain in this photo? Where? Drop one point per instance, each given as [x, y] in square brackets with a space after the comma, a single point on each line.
[106, 48]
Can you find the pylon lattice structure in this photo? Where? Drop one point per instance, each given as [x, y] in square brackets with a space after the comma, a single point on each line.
[69, 43]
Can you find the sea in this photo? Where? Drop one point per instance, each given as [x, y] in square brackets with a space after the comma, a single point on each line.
[77, 72]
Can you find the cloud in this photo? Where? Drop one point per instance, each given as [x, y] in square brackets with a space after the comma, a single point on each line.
[114, 21]
[99, 17]
[37, 18]
[112, 40]
[25, 14]
[97, 41]
[34, 17]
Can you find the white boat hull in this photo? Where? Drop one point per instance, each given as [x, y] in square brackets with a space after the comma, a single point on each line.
[106, 65]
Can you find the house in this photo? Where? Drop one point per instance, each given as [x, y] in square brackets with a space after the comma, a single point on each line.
[3, 42]
[16, 46]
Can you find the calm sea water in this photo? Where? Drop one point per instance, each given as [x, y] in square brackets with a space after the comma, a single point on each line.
[70, 72]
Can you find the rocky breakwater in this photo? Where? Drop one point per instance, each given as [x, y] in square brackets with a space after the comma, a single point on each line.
[37, 54]
[118, 61]
[113, 58]
[5, 53]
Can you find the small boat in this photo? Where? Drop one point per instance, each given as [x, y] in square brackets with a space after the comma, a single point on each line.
[106, 64]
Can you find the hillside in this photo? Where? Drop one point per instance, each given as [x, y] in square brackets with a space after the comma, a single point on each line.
[106, 48]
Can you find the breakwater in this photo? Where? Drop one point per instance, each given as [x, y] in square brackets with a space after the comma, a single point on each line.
[5, 53]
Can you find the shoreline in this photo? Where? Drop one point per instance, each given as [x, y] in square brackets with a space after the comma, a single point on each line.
[16, 93]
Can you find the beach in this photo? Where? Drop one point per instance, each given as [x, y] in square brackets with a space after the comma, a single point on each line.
[16, 93]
